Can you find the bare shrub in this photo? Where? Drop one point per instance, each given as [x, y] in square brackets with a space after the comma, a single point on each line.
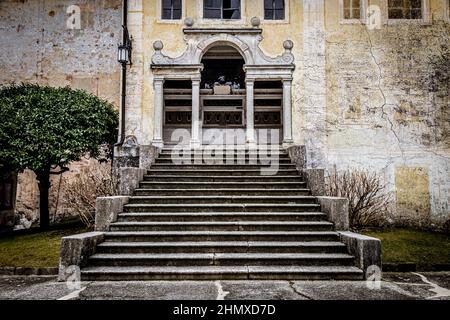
[447, 226]
[83, 189]
[369, 201]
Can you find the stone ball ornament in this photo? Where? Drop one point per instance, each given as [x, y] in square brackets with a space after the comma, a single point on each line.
[255, 21]
[158, 45]
[288, 44]
[189, 22]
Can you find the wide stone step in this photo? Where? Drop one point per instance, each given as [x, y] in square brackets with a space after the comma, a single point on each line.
[224, 226]
[230, 160]
[226, 172]
[224, 155]
[222, 273]
[222, 191]
[228, 167]
[222, 207]
[221, 199]
[260, 152]
[223, 247]
[214, 150]
[221, 259]
[166, 236]
[233, 181]
[223, 216]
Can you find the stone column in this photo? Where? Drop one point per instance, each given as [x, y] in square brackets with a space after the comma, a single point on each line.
[195, 131]
[250, 84]
[158, 119]
[287, 112]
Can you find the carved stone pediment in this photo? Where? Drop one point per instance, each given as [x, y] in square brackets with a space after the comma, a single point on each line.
[245, 40]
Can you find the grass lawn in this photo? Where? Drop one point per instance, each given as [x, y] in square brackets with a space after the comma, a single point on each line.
[398, 246]
[33, 250]
[410, 246]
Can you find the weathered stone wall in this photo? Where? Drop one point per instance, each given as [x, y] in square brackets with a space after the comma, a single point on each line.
[361, 98]
[37, 46]
[388, 111]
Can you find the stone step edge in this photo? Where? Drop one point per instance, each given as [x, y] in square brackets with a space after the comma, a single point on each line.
[220, 256]
[223, 269]
[222, 177]
[255, 244]
[262, 165]
[223, 190]
[231, 214]
[222, 197]
[223, 223]
[223, 273]
[229, 205]
[220, 233]
[219, 170]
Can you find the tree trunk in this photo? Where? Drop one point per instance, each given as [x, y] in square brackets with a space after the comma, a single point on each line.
[44, 186]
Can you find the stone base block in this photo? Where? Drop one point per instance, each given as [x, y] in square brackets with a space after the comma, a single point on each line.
[129, 179]
[106, 211]
[367, 251]
[337, 211]
[75, 250]
[298, 156]
[315, 179]
[134, 155]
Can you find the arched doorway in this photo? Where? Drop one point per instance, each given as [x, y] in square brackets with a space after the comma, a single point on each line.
[222, 84]
[225, 91]
[222, 95]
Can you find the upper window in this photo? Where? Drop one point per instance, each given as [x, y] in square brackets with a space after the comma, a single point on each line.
[274, 10]
[352, 9]
[222, 9]
[171, 9]
[405, 9]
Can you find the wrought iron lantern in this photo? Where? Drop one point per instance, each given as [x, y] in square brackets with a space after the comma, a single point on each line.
[124, 50]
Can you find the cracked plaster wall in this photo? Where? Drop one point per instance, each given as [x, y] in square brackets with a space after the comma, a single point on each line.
[360, 98]
[388, 112]
[37, 47]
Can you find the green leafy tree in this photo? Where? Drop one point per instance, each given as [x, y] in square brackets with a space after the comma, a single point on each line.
[44, 129]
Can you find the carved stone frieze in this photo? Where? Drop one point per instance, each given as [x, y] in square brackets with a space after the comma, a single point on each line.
[245, 41]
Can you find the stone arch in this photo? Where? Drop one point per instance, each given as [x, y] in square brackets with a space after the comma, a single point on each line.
[223, 39]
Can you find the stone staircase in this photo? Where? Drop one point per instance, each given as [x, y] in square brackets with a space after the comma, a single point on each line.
[221, 221]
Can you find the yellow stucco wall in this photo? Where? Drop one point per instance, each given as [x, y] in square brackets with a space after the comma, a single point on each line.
[171, 33]
[369, 79]
[413, 197]
[377, 111]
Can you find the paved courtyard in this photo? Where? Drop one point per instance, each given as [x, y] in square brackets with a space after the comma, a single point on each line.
[434, 285]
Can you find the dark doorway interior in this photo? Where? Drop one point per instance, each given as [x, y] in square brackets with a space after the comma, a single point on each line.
[231, 69]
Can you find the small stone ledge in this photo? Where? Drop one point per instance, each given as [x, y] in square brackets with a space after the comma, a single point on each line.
[28, 271]
[298, 156]
[147, 156]
[126, 156]
[75, 251]
[315, 178]
[337, 211]
[134, 155]
[129, 179]
[107, 209]
[367, 250]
